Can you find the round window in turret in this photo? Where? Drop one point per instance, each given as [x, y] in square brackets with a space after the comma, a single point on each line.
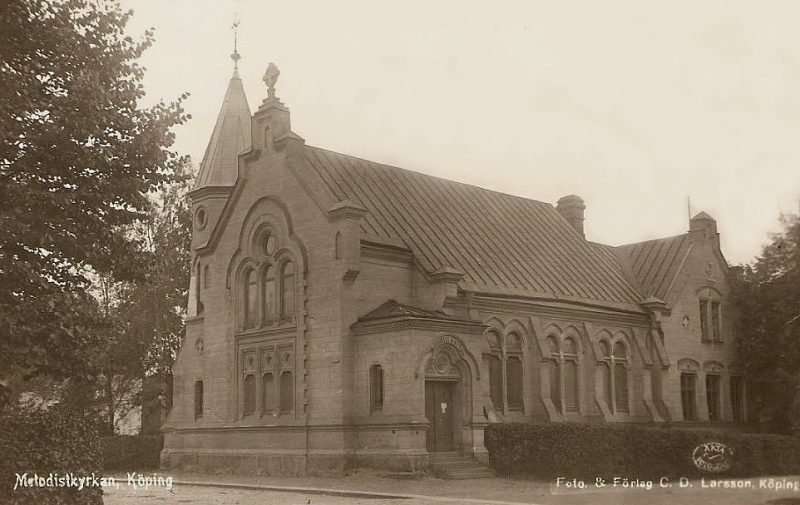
[200, 218]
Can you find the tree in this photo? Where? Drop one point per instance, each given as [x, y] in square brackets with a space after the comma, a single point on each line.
[767, 296]
[79, 158]
[148, 312]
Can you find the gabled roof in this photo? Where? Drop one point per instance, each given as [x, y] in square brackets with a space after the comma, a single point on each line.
[494, 238]
[230, 137]
[655, 263]
[394, 310]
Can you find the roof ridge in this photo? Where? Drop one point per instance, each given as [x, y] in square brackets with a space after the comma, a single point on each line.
[644, 241]
[451, 181]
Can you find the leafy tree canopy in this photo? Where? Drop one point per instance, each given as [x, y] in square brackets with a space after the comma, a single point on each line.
[767, 295]
[78, 158]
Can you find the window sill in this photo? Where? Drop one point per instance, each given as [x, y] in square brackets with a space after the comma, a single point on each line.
[267, 330]
[255, 420]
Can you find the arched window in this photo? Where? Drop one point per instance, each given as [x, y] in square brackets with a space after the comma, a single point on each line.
[287, 392]
[375, 387]
[249, 395]
[288, 292]
[514, 380]
[198, 289]
[250, 299]
[267, 394]
[570, 361]
[564, 376]
[615, 375]
[337, 245]
[269, 295]
[620, 358]
[495, 370]
[198, 399]
[689, 396]
[710, 312]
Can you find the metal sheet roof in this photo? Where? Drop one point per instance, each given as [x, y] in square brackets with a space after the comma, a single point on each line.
[496, 239]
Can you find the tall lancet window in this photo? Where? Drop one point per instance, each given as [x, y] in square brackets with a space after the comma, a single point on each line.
[564, 376]
[615, 377]
[288, 294]
[250, 299]
[269, 296]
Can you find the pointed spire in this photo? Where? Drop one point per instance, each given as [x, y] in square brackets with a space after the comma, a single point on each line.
[231, 136]
[235, 56]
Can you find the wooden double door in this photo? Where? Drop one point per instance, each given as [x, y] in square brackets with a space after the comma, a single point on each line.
[440, 411]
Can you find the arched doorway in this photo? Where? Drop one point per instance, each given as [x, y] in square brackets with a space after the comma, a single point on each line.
[447, 396]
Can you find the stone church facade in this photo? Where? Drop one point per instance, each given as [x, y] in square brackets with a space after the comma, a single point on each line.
[346, 313]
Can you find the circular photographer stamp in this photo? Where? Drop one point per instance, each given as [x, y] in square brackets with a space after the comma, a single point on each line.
[712, 457]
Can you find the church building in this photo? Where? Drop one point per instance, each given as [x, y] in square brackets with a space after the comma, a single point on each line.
[346, 313]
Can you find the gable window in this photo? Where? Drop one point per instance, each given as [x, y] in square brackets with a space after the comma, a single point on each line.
[712, 396]
[704, 335]
[269, 295]
[564, 382]
[250, 299]
[375, 387]
[198, 399]
[715, 321]
[269, 283]
[288, 292]
[688, 396]
[710, 318]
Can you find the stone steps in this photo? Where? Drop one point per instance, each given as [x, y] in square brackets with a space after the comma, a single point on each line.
[453, 465]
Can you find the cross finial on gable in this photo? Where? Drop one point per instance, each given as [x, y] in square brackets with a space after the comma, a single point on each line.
[270, 78]
[235, 56]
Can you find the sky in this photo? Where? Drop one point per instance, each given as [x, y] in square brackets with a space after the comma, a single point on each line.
[644, 109]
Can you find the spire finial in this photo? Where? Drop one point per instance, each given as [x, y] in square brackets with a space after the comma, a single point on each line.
[270, 78]
[235, 56]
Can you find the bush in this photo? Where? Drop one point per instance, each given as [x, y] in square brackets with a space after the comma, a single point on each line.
[131, 452]
[587, 451]
[49, 445]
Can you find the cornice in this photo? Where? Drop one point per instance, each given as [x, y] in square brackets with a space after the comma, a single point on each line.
[206, 191]
[385, 251]
[501, 294]
[346, 209]
[416, 323]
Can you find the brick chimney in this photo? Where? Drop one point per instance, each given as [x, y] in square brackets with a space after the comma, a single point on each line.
[572, 207]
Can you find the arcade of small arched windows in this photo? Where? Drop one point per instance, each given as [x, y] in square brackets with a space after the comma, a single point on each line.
[615, 367]
[268, 286]
[505, 358]
[565, 359]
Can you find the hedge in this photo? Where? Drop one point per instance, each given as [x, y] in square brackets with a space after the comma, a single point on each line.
[591, 450]
[49, 447]
[131, 452]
